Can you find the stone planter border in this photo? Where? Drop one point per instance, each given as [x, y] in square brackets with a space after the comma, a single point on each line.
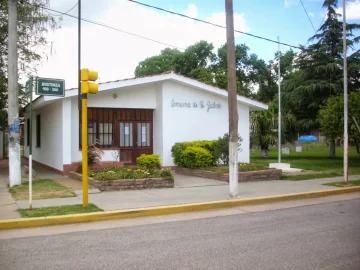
[126, 184]
[262, 175]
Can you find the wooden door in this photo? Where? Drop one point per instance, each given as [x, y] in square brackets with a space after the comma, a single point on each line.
[135, 138]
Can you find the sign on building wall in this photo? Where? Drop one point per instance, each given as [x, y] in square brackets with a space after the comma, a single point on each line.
[207, 105]
[50, 87]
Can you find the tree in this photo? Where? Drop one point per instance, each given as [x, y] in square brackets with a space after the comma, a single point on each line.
[319, 73]
[264, 127]
[157, 64]
[199, 61]
[33, 24]
[331, 118]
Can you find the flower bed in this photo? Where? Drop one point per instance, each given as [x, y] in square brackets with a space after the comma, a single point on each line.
[247, 172]
[126, 178]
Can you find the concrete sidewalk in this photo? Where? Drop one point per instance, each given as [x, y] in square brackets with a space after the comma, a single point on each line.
[8, 205]
[117, 200]
[187, 190]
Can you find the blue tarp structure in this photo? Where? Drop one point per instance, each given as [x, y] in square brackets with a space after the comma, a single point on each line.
[308, 138]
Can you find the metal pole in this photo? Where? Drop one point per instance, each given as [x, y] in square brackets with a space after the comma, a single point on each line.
[232, 101]
[79, 54]
[30, 146]
[13, 102]
[346, 135]
[279, 97]
[84, 146]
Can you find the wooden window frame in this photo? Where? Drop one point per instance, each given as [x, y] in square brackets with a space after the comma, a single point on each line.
[38, 130]
[114, 115]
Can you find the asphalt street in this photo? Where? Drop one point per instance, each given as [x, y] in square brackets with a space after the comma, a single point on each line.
[322, 236]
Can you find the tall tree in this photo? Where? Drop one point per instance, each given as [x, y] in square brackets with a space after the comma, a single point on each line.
[319, 72]
[33, 24]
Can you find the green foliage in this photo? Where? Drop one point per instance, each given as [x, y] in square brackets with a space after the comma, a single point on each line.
[166, 173]
[221, 149]
[33, 24]
[331, 117]
[58, 210]
[199, 62]
[129, 173]
[319, 70]
[196, 157]
[178, 149]
[149, 162]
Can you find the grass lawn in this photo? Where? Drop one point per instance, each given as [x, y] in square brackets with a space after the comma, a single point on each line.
[342, 184]
[316, 160]
[58, 210]
[42, 189]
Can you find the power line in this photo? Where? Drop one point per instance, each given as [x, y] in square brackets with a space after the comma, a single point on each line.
[62, 13]
[213, 24]
[307, 14]
[113, 28]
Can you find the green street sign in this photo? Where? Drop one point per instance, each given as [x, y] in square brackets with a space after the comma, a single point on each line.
[50, 87]
[28, 86]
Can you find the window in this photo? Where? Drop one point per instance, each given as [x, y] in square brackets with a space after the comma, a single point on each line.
[111, 127]
[38, 130]
[143, 134]
[126, 134]
[105, 134]
[28, 131]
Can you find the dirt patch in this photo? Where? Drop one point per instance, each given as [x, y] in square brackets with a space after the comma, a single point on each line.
[71, 183]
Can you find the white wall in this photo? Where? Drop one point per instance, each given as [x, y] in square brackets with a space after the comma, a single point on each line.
[197, 123]
[142, 97]
[158, 118]
[50, 151]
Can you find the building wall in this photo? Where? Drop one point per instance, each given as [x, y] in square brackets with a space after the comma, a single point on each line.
[50, 151]
[158, 118]
[141, 97]
[198, 121]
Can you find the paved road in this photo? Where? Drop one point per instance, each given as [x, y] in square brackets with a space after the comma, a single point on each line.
[323, 236]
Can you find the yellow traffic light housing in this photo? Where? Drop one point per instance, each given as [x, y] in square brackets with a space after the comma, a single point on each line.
[87, 87]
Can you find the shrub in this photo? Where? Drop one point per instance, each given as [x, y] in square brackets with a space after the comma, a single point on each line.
[221, 148]
[94, 154]
[149, 162]
[196, 157]
[178, 149]
[166, 173]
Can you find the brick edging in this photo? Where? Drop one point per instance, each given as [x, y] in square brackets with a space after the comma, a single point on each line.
[126, 184]
[262, 175]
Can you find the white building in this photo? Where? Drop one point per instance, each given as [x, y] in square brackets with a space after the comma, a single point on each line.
[140, 115]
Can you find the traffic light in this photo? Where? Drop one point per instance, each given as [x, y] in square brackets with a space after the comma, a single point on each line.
[88, 87]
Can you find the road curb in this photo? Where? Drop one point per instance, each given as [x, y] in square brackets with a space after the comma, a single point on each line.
[165, 210]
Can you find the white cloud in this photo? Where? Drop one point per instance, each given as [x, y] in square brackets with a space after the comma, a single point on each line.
[352, 10]
[311, 14]
[114, 54]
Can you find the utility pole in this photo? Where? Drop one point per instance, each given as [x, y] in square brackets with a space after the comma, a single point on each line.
[13, 102]
[79, 55]
[346, 135]
[232, 101]
[279, 116]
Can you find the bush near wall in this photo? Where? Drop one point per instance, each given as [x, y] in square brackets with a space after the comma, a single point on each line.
[202, 153]
[178, 149]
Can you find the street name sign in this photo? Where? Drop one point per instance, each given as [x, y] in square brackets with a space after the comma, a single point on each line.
[50, 87]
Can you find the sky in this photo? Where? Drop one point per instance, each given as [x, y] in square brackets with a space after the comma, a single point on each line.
[115, 54]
